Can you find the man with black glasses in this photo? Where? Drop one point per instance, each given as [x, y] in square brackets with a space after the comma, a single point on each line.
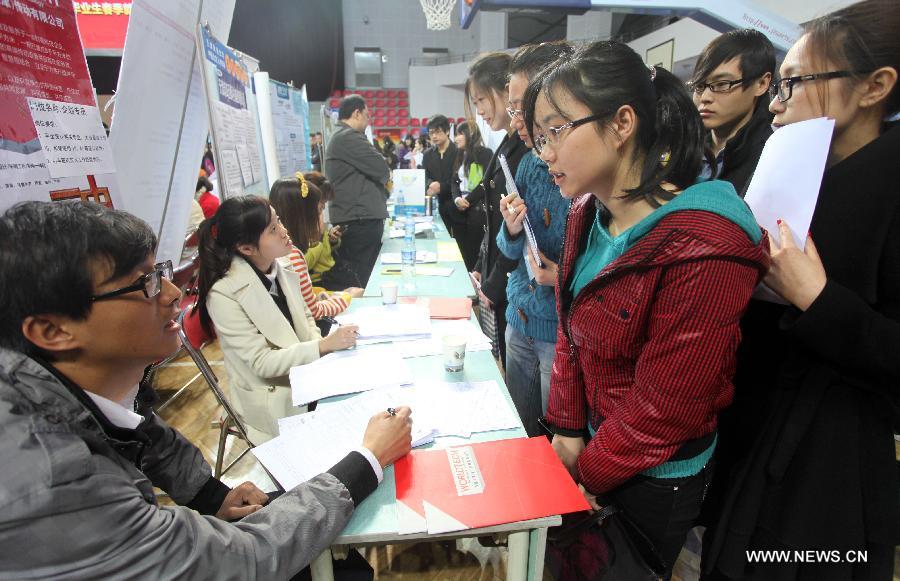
[730, 85]
[86, 310]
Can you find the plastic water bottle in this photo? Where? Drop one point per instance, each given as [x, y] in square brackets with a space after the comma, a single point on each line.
[408, 252]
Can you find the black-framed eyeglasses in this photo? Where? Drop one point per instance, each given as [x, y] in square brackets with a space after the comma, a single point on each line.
[150, 284]
[783, 88]
[515, 113]
[723, 86]
[553, 133]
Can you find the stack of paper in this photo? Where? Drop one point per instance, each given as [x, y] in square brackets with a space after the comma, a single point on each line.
[311, 443]
[476, 339]
[422, 257]
[388, 323]
[348, 372]
[448, 252]
[401, 232]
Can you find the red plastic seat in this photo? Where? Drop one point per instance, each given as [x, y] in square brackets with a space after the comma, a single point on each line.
[391, 103]
[402, 103]
[403, 112]
[336, 93]
[461, 120]
[334, 103]
[379, 94]
[391, 93]
[379, 103]
[369, 94]
[379, 112]
[424, 121]
[414, 122]
[379, 122]
[401, 94]
[402, 121]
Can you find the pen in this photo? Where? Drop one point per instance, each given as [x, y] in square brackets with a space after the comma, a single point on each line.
[392, 411]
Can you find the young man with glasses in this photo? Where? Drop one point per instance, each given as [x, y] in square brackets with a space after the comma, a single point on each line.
[438, 161]
[730, 87]
[86, 310]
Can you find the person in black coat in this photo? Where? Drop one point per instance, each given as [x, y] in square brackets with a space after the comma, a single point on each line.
[730, 87]
[810, 433]
[437, 161]
[472, 158]
[486, 89]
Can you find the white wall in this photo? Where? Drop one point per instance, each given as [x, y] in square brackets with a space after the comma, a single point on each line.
[690, 39]
[593, 24]
[398, 28]
[801, 11]
[437, 89]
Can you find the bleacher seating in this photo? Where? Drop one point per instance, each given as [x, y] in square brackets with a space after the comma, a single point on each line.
[389, 109]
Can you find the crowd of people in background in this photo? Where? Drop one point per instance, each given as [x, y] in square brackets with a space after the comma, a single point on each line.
[634, 334]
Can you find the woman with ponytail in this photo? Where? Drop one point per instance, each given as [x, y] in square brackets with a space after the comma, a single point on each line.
[255, 307]
[655, 272]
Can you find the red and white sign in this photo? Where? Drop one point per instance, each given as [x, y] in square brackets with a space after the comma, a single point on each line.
[103, 24]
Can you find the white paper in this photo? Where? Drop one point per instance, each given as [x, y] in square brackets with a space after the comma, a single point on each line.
[434, 271]
[476, 340]
[422, 257]
[785, 185]
[345, 372]
[159, 70]
[389, 322]
[401, 232]
[72, 137]
[243, 156]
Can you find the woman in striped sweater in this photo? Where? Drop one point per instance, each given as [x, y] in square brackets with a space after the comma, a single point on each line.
[300, 204]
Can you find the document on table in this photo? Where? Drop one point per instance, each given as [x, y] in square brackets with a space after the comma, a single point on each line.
[422, 257]
[389, 322]
[349, 371]
[420, 227]
[448, 252]
[311, 443]
[434, 270]
[476, 340]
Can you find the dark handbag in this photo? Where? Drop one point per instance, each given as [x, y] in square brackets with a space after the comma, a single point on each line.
[606, 545]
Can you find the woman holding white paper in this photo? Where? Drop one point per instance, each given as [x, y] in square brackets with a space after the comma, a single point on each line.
[255, 307]
[811, 432]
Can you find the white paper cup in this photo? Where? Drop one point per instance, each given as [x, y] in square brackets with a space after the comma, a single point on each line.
[388, 293]
[454, 352]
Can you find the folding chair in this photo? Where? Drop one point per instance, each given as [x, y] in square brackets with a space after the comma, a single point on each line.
[229, 425]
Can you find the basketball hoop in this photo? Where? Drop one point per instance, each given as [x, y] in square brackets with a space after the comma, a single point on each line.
[437, 13]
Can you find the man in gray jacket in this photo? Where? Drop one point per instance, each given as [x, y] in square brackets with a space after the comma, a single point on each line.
[86, 310]
[360, 176]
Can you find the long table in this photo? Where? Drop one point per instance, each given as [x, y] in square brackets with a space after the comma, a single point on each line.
[457, 284]
[374, 522]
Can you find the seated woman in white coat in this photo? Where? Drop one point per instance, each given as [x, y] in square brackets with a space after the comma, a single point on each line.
[254, 306]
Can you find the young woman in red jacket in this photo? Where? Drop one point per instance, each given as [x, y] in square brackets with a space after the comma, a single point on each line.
[654, 275]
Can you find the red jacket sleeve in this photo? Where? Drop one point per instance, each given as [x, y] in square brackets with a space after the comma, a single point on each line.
[683, 375]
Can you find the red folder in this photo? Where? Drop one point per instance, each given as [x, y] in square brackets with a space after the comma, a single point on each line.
[484, 484]
[450, 308]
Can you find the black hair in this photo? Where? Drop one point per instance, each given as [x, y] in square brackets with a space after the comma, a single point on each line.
[439, 122]
[350, 105]
[473, 140]
[489, 72]
[861, 37]
[298, 214]
[50, 253]
[239, 220]
[606, 75]
[320, 181]
[531, 58]
[753, 49]
[203, 182]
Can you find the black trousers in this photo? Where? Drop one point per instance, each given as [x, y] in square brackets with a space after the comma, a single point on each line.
[356, 256]
[665, 509]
